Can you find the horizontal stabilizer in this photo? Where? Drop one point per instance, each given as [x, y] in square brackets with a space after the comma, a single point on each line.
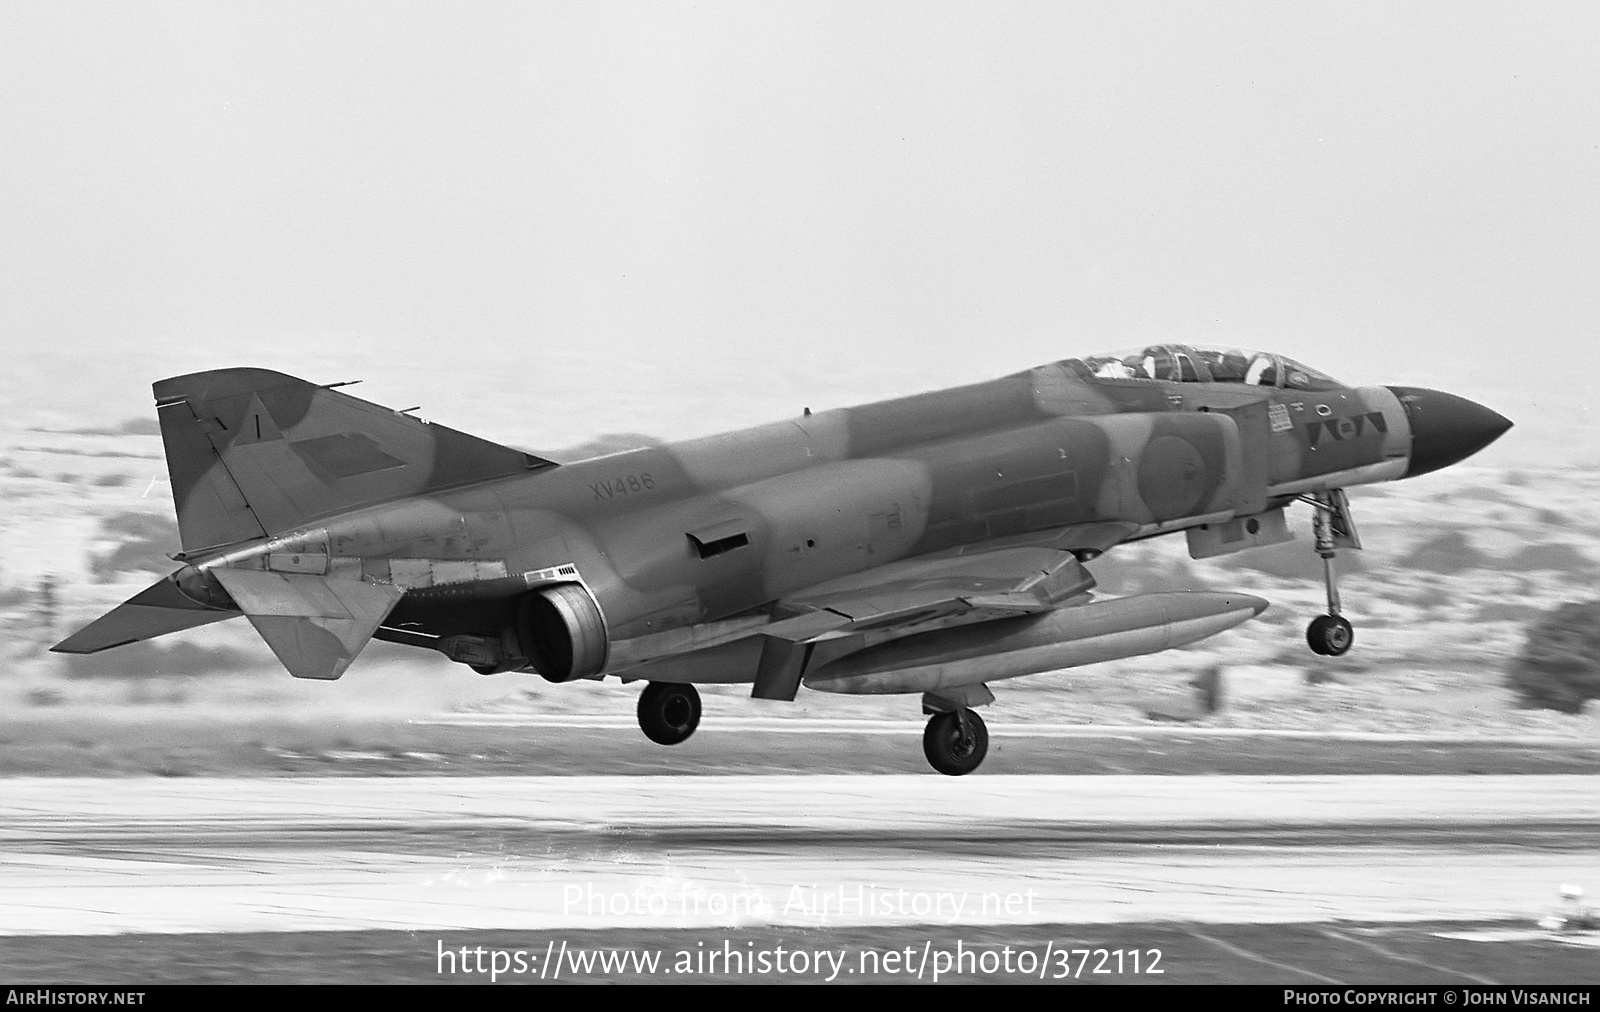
[154, 611]
[315, 624]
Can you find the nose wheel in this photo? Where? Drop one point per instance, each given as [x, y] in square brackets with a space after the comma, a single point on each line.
[669, 712]
[1333, 527]
[955, 742]
[1330, 635]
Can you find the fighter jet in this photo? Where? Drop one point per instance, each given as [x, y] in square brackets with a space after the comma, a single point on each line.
[926, 545]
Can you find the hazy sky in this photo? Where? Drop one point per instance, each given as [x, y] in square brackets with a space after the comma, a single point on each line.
[546, 220]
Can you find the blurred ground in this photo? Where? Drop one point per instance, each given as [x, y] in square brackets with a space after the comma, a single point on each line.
[1496, 952]
[374, 870]
[180, 747]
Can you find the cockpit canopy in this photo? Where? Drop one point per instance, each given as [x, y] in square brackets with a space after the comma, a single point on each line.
[1181, 363]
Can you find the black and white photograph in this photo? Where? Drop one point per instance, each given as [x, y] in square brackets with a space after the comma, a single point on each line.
[800, 492]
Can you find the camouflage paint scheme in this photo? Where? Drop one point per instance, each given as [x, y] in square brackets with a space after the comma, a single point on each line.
[761, 555]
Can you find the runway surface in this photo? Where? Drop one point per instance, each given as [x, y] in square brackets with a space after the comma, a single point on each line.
[96, 856]
[480, 745]
[817, 725]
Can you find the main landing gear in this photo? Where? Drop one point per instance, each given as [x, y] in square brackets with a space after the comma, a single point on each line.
[955, 742]
[1333, 528]
[669, 712]
[956, 738]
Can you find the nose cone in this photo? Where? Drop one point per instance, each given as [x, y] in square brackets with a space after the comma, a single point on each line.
[1446, 428]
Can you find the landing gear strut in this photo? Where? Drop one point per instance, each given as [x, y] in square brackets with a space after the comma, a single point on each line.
[669, 712]
[1332, 526]
[955, 742]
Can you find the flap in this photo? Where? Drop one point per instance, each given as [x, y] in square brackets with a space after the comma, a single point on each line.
[805, 627]
[902, 597]
[1011, 581]
[1093, 538]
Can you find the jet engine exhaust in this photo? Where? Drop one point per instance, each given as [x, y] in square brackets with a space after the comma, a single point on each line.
[563, 632]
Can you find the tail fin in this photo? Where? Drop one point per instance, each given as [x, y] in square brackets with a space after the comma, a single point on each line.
[253, 453]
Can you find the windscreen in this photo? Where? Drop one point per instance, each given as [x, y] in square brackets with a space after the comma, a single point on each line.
[1181, 363]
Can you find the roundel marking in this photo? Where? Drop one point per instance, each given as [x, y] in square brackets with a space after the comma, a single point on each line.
[1172, 477]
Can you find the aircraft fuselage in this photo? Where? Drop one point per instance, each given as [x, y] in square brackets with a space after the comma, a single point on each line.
[703, 530]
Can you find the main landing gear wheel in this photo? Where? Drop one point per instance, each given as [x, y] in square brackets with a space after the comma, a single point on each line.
[1330, 635]
[956, 742]
[669, 712]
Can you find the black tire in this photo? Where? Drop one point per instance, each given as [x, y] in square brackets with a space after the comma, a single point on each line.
[1330, 635]
[669, 712]
[950, 752]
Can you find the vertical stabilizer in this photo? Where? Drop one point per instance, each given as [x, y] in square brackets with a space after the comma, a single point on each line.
[253, 452]
[211, 509]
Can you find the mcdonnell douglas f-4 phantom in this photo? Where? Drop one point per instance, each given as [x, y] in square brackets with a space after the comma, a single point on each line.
[930, 544]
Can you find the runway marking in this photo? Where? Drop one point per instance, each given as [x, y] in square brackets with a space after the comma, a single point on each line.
[1398, 957]
[808, 725]
[1257, 957]
[1588, 939]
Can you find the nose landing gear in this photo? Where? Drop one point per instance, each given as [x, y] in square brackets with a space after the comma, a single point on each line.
[1330, 635]
[1333, 527]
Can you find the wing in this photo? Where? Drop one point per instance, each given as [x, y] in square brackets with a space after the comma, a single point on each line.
[915, 595]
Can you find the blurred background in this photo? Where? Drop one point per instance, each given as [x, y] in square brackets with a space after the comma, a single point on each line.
[571, 227]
